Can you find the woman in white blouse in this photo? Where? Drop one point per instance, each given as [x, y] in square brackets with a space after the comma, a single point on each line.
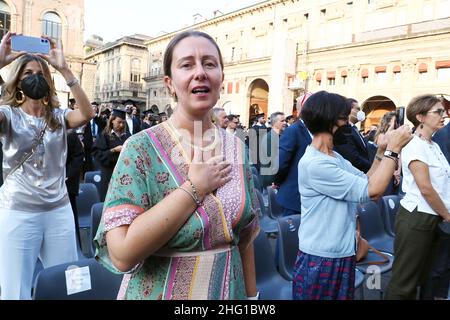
[426, 182]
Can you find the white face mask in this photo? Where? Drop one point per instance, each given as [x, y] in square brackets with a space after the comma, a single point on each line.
[361, 116]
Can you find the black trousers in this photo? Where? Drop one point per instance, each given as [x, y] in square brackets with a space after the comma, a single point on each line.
[73, 203]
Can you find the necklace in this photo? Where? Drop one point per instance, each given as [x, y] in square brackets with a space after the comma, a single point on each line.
[38, 147]
[186, 141]
[421, 136]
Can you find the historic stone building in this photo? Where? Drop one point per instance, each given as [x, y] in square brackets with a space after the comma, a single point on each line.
[120, 69]
[60, 19]
[380, 52]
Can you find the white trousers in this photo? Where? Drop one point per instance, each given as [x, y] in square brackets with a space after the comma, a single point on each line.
[25, 236]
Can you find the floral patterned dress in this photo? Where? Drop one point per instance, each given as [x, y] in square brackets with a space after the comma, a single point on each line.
[202, 260]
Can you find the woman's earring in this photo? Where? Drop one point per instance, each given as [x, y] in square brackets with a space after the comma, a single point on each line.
[45, 101]
[20, 97]
[421, 125]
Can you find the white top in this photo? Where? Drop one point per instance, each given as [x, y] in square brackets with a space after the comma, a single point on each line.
[430, 154]
[129, 121]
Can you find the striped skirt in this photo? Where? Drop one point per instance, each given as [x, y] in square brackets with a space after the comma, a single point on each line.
[319, 278]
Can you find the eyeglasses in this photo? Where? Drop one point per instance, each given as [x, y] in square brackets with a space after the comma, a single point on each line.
[440, 112]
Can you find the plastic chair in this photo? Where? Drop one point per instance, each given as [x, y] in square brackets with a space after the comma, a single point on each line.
[94, 177]
[254, 171]
[51, 283]
[287, 244]
[372, 227]
[359, 280]
[275, 210]
[390, 206]
[257, 183]
[271, 285]
[88, 195]
[96, 216]
[267, 224]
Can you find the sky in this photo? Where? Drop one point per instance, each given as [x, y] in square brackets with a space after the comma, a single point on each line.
[113, 19]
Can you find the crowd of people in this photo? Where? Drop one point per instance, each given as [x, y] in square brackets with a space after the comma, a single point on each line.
[180, 209]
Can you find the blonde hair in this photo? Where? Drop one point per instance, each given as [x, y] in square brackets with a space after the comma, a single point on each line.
[11, 89]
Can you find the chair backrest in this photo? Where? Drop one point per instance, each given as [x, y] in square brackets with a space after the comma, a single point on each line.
[87, 196]
[264, 262]
[254, 171]
[91, 282]
[275, 210]
[372, 226]
[96, 216]
[400, 191]
[94, 177]
[257, 182]
[269, 282]
[287, 244]
[261, 203]
[390, 206]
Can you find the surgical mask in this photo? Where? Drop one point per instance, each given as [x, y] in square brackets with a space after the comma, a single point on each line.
[361, 116]
[35, 86]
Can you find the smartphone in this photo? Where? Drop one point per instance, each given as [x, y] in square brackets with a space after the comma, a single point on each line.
[30, 44]
[400, 116]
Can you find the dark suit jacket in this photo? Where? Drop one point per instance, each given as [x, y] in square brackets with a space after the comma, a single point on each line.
[258, 133]
[136, 126]
[74, 163]
[293, 143]
[353, 149]
[442, 138]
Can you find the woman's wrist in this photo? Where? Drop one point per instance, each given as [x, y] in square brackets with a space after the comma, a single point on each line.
[67, 74]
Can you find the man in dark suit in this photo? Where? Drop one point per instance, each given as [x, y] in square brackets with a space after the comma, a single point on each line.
[133, 122]
[442, 138]
[438, 282]
[1, 165]
[74, 164]
[293, 143]
[256, 136]
[349, 143]
[270, 148]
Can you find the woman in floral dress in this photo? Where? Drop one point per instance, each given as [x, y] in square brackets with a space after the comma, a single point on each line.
[179, 217]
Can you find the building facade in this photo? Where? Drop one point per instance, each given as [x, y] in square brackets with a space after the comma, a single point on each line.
[62, 20]
[380, 52]
[120, 67]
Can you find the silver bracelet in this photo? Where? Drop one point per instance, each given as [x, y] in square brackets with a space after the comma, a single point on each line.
[189, 193]
[72, 82]
[195, 194]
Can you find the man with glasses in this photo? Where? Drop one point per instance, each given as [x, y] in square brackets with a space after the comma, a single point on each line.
[220, 118]
[233, 123]
[269, 156]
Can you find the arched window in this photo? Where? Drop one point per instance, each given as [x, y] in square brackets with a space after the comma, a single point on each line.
[51, 25]
[5, 18]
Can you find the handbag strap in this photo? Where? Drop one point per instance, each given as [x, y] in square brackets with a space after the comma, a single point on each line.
[382, 255]
[29, 154]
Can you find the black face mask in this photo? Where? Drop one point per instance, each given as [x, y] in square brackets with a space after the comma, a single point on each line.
[35, 86]
[341, 134]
